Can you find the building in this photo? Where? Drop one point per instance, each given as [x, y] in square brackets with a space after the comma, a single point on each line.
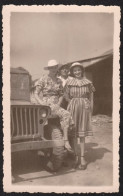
[100, 71]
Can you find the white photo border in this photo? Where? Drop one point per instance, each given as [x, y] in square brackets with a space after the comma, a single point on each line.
[7, 184]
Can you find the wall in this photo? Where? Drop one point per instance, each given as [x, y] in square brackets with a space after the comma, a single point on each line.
[101, 75]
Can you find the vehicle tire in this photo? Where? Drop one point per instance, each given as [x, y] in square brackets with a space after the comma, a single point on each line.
[57, 155]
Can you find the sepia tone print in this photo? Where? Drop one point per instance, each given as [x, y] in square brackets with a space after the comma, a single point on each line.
[63, 89]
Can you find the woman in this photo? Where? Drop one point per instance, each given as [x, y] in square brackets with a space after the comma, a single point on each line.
[79, 93]
[49, 91]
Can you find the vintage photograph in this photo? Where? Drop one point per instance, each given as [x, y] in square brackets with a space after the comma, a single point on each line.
[61, 98]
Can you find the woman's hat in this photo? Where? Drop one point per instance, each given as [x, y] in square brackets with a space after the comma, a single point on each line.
[76, 64]
[51, 63]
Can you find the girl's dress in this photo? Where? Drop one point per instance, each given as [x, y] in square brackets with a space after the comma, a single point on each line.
[51, 91]
[78, 93]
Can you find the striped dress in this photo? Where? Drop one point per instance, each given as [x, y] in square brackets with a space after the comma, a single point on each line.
[78, 92]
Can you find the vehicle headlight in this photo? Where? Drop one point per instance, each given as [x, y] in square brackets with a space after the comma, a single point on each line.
[43, 113]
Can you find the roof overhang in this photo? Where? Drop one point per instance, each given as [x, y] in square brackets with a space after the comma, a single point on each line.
[92, 61]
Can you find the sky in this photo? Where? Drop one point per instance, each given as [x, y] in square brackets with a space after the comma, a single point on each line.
[35, 38]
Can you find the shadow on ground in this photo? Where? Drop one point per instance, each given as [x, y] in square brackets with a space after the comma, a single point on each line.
[29, 162]
[93, 152]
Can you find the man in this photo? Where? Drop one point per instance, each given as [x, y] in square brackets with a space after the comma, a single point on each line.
[49, 91]
[63, 71]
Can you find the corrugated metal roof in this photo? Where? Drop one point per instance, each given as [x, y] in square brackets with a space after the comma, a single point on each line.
[91, 61]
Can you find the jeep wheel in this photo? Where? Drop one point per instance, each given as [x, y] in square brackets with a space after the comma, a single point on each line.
[57, 155]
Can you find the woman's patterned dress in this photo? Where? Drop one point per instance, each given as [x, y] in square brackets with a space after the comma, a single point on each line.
[51, 91]
[78, 93]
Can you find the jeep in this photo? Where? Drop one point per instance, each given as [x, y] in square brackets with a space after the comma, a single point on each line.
[33, 127]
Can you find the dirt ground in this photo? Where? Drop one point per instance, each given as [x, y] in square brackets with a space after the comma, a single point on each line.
[29, 168]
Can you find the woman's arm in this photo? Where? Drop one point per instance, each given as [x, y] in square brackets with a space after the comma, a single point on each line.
[91, 90]
[91, 101]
